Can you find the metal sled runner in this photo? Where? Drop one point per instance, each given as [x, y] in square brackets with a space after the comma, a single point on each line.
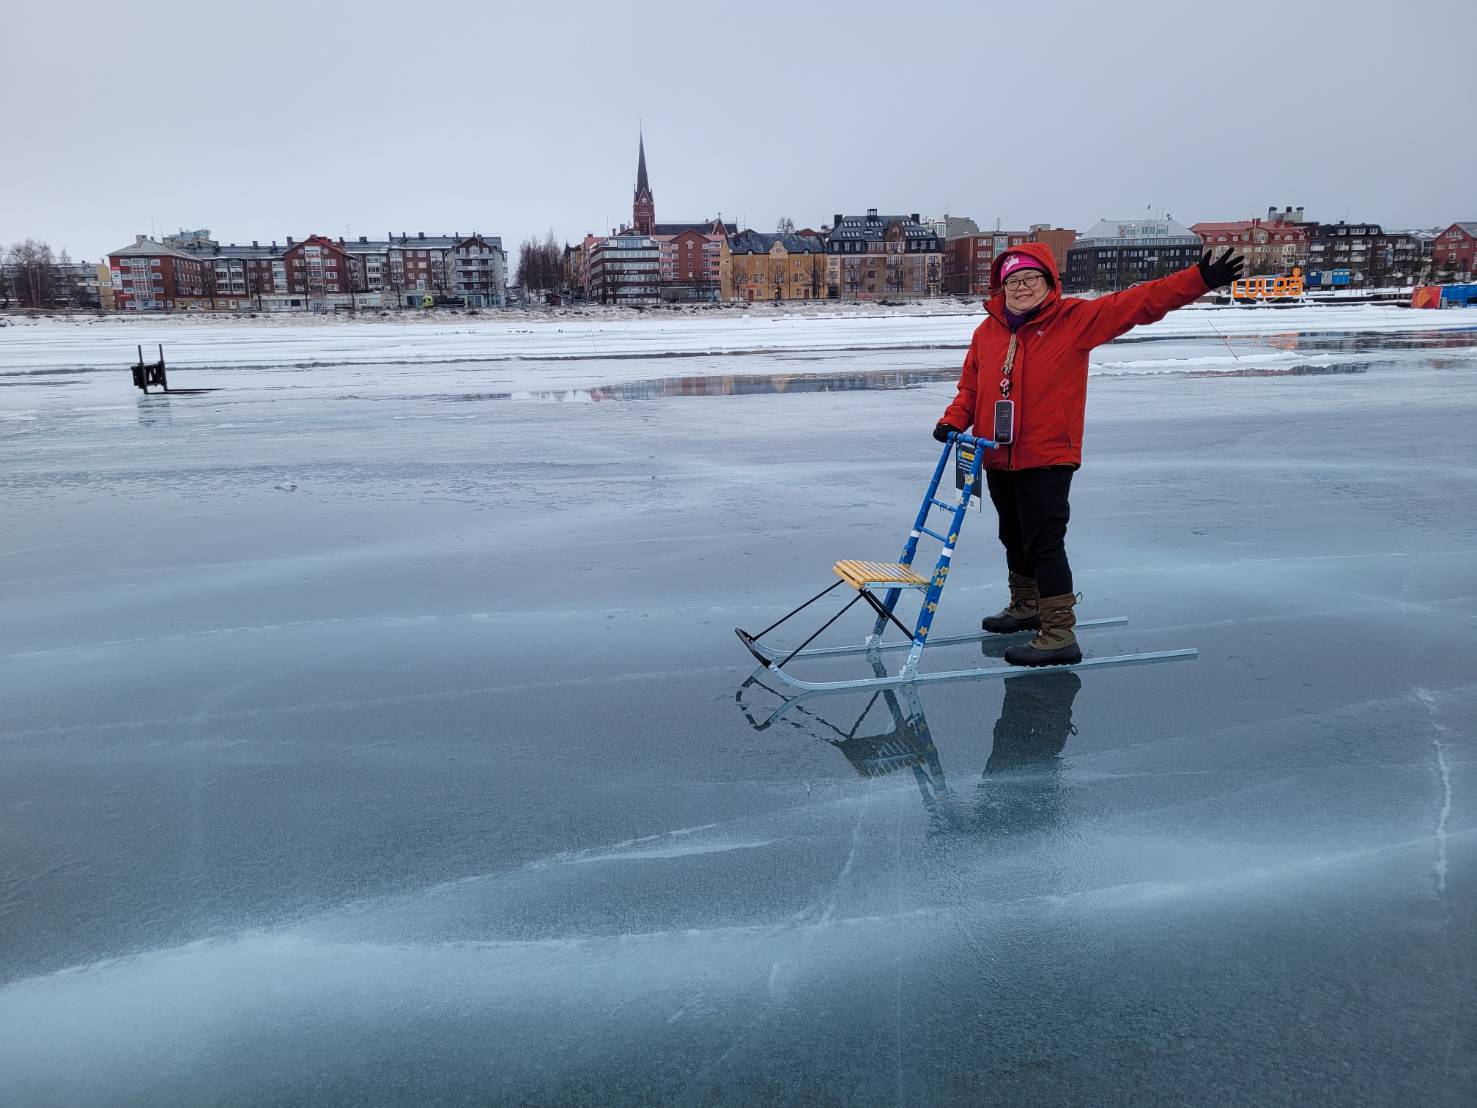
[891, 578]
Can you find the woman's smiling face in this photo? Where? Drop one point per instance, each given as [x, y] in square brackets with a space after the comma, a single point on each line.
[1025, 289]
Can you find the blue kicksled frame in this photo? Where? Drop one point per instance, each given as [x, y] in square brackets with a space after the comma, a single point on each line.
[893, 577]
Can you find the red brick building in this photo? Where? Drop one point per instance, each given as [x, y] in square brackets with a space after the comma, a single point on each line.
[685, 258]
[968, 258]
[1272, 245]
[1452, 252]
[322, 271]
[149, 276]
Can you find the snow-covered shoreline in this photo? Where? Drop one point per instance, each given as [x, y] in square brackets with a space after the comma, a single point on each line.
[30, 346]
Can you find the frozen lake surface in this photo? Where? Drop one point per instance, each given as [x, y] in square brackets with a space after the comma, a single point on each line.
[373, 728]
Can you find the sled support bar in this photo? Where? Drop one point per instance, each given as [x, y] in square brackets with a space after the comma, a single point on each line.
[767, 654]
[990, 671]
[791, 612]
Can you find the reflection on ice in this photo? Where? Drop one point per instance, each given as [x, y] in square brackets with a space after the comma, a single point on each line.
[756, 384]
[1019, 786]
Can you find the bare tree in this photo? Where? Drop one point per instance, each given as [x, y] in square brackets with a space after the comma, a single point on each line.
[539, 264]
[777, 277]
[34, 273]
[893, 275]
[738, 268]
[550, 255]
[252, 282]
[66, 286]
[786, 225]
[817, 275]
[394, 275]
[529, 276]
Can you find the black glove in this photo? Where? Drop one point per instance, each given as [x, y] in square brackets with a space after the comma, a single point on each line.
[1223, 270]
[941, 432]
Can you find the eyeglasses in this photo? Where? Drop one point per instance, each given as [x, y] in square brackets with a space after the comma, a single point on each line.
[1024, 281]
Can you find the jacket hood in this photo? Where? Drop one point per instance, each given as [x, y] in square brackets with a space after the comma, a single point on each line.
[995, 301]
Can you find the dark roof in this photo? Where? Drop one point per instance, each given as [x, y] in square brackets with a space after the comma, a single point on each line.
[873, 228]
[232, 250]
[1331, 230]
[761, 242]
[701, 228]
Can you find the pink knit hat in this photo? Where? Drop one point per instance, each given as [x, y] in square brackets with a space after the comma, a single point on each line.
[1014, 261]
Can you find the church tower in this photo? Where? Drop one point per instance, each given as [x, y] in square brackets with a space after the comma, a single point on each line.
[643, 209]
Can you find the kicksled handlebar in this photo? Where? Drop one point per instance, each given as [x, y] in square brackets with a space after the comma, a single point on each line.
[970, 440]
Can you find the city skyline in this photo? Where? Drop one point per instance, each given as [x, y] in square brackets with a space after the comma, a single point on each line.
[157, 120]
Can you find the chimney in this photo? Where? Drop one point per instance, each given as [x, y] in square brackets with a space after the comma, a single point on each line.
[420, 234]
[836, 221]
[1299, 214]
[1271, 213]
[363, 238]
[917, 220]
[289, 240]
[253, 242]
[871, 213]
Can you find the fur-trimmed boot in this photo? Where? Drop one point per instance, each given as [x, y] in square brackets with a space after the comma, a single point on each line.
[1054, 644]
[1020, 614]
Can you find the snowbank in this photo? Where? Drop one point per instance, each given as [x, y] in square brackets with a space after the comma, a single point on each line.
[50, 344]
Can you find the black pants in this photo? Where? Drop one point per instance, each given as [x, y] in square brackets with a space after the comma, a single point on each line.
[1033, 510]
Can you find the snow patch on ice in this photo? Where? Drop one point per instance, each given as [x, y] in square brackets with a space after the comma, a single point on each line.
[660, 852]
[1443, 769]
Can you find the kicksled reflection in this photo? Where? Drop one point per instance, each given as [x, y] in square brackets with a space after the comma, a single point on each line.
[1019, 789]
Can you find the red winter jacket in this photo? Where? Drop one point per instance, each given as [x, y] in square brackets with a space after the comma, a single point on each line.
[1049, 377]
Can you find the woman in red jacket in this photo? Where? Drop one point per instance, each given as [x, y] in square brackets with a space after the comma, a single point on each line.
[1027, 364]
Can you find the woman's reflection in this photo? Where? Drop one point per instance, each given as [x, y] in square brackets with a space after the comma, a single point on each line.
[1020, 788]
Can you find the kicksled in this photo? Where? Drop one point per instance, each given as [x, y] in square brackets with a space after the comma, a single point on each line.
[880, 585]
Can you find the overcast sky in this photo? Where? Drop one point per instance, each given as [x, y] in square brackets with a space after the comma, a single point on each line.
[270, 119]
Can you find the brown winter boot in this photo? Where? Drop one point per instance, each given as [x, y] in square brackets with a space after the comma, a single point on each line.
[1054, 644]
[1020, 615]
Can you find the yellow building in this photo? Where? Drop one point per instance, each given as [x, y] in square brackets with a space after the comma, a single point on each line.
[105, 286]
[775, 267]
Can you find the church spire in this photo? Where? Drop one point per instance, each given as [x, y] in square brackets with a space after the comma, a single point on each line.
[643, 208]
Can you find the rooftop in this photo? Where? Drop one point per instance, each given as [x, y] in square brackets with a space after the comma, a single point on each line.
[1163, 232]
[762, 242]
[145, 247]
[873, 227]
